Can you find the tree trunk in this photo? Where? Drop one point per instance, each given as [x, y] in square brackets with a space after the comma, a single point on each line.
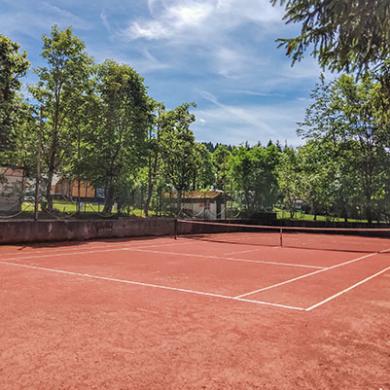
[49, 198]
[109, 198]
[179, 201]
[151, 176]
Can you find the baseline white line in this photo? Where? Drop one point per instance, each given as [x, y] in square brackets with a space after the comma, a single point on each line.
[151, 285]
[36, 255]
[69, 249]
[211, 257]
[307, 275]
[347, 289]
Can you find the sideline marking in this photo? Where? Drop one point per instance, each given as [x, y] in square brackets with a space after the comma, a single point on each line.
[233, 259]
[151, 285]
[310, 274]
[347, 289]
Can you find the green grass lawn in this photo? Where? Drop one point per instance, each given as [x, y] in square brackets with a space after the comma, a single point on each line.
[69, 207]
[86, 207]
[301, 216]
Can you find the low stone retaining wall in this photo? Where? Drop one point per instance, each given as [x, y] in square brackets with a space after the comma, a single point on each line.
[79, 230]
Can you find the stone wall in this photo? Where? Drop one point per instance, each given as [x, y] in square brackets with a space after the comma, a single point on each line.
[79, 230]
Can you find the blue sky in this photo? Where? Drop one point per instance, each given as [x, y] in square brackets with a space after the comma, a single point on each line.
[220, 54]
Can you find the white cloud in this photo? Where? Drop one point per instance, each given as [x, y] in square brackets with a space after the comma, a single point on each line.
[143, 62]
[172, 19]
[236, 124]
[23, 21]
[104, 19]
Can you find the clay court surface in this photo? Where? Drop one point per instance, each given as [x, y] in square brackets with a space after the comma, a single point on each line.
[193, 314]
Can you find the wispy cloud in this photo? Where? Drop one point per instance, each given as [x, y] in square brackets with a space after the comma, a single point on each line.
[21, 20]
[219, 53]
[253, 123]
[190, 19]
[105, 22]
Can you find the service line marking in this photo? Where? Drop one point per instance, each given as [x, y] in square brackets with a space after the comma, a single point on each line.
[233, 259]
[150, 285]
[247, 251]
[308, 274]
[365, 280]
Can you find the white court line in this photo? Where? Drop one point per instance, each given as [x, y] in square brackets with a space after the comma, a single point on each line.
[151, 285]
[307, 275]
[233, 259]
[346, 290]
[248, 251]
[65, 249]
[36, 255]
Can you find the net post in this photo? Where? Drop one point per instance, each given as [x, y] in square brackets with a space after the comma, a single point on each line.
[281, 237]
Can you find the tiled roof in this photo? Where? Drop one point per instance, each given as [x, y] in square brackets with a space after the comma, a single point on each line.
[197, 195]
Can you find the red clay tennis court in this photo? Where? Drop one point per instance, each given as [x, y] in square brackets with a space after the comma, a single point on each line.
[228, 310]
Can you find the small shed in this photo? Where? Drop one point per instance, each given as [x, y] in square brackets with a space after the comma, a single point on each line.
[12, 183]
[202, 204]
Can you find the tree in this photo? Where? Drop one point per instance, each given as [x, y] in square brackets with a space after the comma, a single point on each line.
[118, 135]
[345, 35]
[13, 66]
[317, 177]
[253, 175]
[204, 176]
[60, 84]
[347, 115]
[178, 149]
[288, 175]
[221, 161]
[153, 151]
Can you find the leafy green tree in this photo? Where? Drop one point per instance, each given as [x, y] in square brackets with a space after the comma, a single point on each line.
[60, 84]
[345, 35]
[153, 168]
[221, 161]
[347, 114]
[289, 175]
[204, 176]
[317, 177]
[178, 149]
[118, 137]
[253, 175]
[13, 66]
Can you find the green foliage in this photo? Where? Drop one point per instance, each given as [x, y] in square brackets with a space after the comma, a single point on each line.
[345, 35]
[221, 161]
[13, 66]
[96, 123]
[347, 116]
[61, 82]
[289, 179]
[178, 148]
[253, 175]
[119, 130]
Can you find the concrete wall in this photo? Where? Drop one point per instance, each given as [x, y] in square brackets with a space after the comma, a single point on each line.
[78, 230]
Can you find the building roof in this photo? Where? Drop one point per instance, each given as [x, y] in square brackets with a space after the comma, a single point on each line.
[11, 171]
[197, 195]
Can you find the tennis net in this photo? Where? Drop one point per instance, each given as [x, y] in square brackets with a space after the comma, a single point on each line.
[336, 239]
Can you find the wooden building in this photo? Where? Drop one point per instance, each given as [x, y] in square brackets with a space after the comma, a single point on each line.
[70, 189]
